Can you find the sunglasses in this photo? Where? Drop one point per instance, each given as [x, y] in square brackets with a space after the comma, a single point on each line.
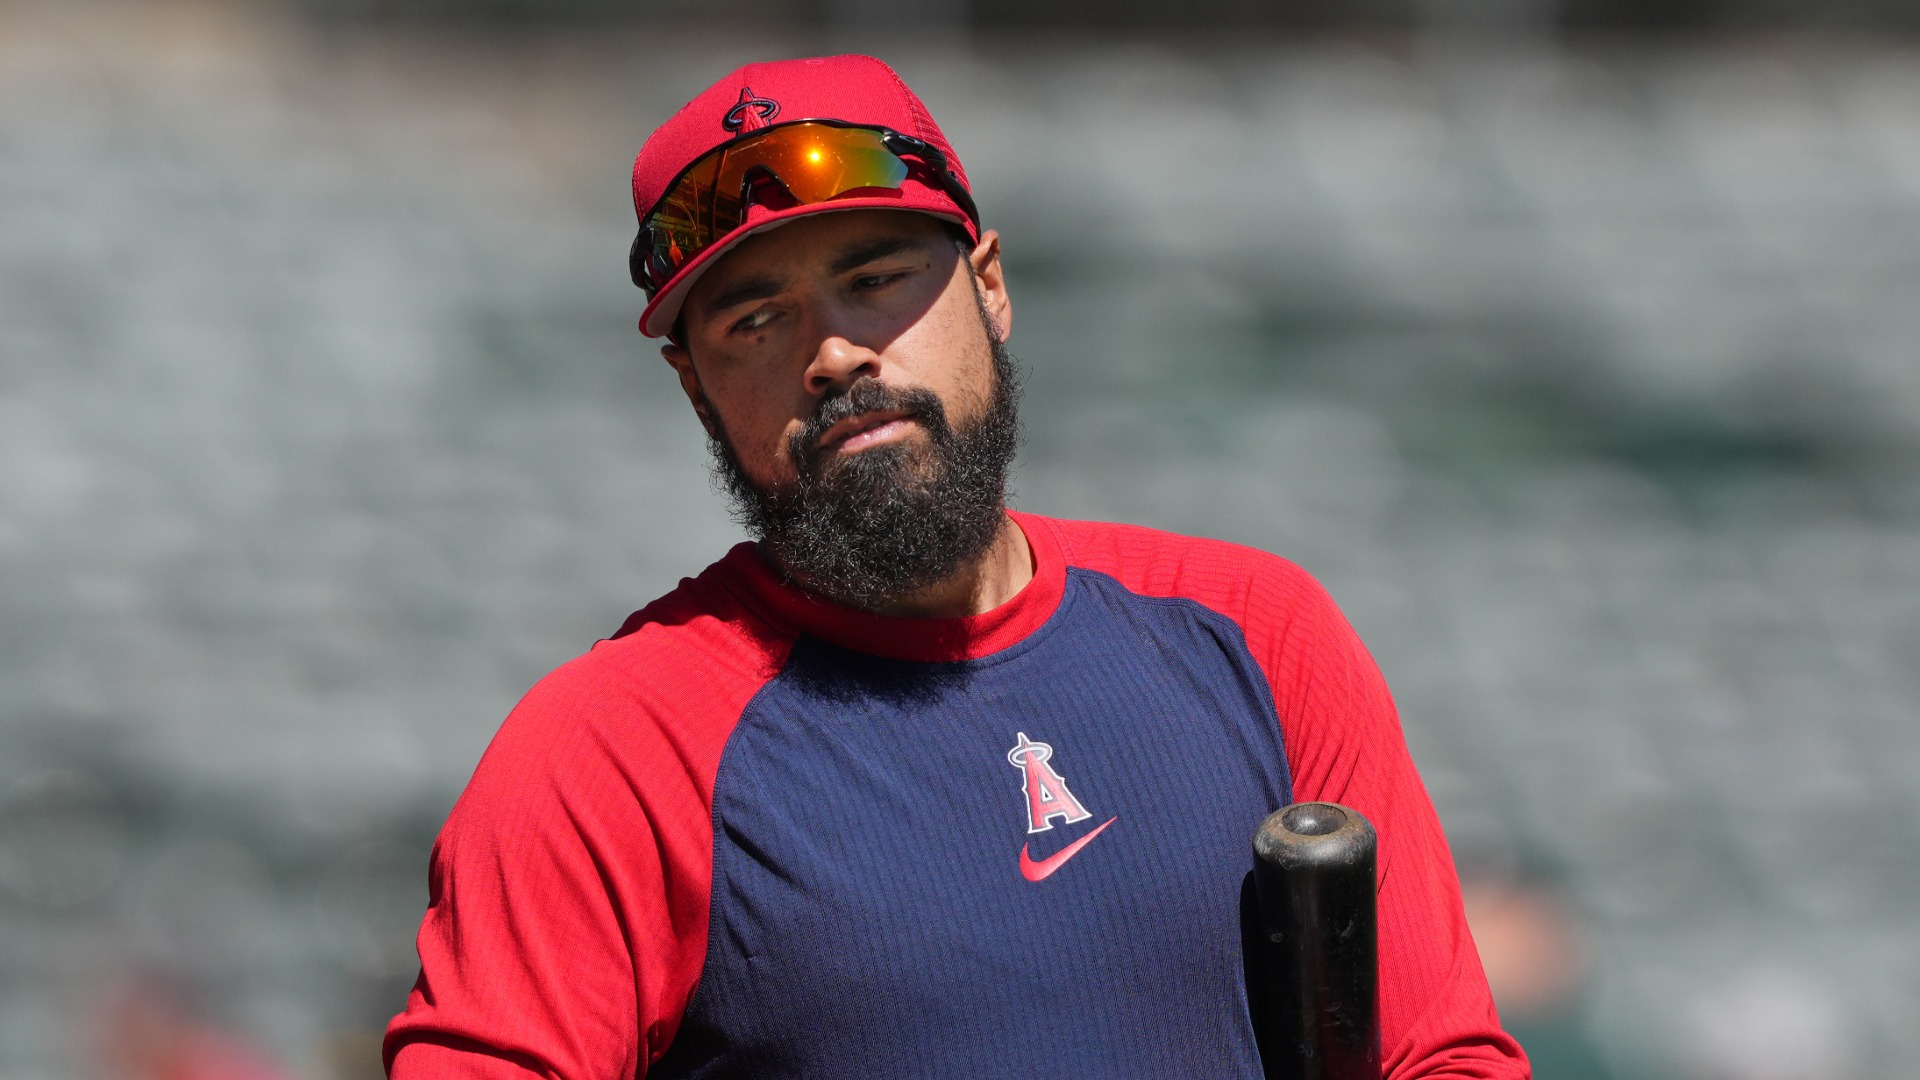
[793, 164]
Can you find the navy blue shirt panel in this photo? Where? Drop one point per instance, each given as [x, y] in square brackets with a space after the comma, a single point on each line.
[873, 911]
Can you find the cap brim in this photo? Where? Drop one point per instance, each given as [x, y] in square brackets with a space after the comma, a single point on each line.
[658, 318]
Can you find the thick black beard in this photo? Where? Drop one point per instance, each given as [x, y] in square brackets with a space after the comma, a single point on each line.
[889, 522]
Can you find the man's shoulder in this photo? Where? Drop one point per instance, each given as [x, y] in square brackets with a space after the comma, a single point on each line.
[653, 705]
[704, 621]
[686, 662]
[1219, 574]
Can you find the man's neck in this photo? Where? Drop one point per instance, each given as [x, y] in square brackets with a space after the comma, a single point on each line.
[994, 578]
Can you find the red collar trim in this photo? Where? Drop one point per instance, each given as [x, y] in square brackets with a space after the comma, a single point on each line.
[926, 640]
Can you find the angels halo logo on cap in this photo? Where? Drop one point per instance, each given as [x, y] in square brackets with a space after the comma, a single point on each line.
[750, 113]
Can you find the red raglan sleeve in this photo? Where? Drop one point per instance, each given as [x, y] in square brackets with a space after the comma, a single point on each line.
[1344, 744]
[568, 891]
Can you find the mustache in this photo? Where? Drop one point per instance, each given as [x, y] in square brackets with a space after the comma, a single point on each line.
[865, 395]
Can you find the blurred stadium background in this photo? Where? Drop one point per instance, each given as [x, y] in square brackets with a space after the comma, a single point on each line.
[1573, 345]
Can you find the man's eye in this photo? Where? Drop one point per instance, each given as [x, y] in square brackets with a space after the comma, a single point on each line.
[875, 281]
[754, 321]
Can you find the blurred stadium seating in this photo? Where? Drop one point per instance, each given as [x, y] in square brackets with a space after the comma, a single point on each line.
[1584, 375]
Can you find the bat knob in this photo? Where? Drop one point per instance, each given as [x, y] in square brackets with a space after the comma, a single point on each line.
[1314, 836]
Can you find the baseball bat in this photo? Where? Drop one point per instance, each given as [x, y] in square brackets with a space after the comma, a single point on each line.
[1313, 962]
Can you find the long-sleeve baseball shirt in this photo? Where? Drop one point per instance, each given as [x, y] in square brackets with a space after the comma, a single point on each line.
[757, 834]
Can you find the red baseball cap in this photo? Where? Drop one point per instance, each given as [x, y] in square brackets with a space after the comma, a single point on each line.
[851, 89]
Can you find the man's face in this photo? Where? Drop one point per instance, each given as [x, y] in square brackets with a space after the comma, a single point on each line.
[849, 370]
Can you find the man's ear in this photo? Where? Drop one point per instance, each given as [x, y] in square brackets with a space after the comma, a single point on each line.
[993, 282]
[682, 363]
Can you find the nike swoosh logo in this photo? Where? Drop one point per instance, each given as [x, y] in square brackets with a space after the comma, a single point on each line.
[1037, 871]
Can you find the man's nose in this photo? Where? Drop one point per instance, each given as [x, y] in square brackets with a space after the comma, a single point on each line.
[837, 362]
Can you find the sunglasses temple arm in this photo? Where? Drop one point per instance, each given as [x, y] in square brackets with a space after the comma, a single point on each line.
[938, 162]
[960, 195]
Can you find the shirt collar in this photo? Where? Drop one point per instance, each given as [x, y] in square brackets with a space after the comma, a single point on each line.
[928, 640]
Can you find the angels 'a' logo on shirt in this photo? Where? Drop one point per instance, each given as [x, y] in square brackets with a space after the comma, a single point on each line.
[1047, 794]
[1047, 799]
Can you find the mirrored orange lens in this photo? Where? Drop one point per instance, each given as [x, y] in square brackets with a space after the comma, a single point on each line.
[813, 162]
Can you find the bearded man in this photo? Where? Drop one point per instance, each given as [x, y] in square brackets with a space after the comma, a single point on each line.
[913, 785]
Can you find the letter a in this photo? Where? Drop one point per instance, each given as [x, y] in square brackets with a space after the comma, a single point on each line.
[1047, 794]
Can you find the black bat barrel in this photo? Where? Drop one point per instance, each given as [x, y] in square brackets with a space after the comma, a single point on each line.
[1314, 971]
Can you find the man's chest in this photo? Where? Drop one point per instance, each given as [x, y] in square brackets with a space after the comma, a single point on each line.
[915, 864]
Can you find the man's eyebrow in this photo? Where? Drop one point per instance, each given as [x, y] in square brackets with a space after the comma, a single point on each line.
[855, 257]
[750, 289]
[744, 291]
